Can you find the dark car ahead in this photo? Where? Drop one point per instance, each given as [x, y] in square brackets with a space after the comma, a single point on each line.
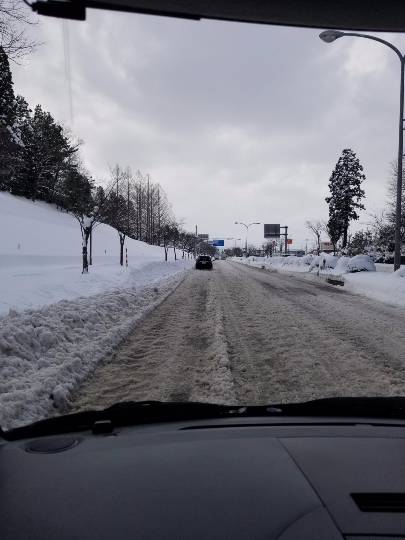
[203, 262]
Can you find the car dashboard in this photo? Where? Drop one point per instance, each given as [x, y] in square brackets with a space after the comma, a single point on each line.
[285, 479]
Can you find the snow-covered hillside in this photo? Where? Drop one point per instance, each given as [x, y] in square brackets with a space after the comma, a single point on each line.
[40, 257]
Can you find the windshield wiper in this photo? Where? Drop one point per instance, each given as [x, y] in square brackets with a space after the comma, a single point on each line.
[369, 407]
[121, 414]
[147, 412]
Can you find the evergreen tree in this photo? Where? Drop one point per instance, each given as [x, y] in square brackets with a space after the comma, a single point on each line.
[360, 243]
[8, 137]
[20, 181]
[75, 192]
[345, 195]
[49, 154]
[392, 197]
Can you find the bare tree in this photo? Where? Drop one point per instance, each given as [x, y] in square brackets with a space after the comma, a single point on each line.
[316, 228]
[87, 221]
[119, 208]
[15, 15]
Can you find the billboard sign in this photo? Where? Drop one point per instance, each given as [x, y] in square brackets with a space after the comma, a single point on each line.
[203, 237]
[218, 243]
[289, 240]
[326, 246]
[272, 230]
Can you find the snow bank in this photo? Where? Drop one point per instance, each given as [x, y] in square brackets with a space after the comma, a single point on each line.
[382, 286]
[40, 257]
[45, 354]
[359, 274]
[324, 263]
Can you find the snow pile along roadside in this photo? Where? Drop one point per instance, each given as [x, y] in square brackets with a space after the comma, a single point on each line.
[324, 263]
[46, 354]
[358, 273]
[383, 286]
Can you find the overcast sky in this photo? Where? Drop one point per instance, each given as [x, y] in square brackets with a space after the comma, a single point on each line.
[237, 122]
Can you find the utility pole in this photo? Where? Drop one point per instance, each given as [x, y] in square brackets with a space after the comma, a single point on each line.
[195, 243]
[128, 208]
[91, 247]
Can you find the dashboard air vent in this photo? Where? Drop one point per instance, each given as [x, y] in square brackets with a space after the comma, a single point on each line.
[380, 502]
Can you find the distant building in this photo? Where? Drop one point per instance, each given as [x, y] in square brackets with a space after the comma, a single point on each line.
[327, 247]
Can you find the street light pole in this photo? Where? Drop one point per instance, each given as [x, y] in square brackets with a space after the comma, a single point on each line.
[247, 229]
[328, 36]
[398, 209]
[235, 239]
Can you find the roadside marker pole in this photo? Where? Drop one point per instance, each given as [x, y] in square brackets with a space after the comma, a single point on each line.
[126, 256]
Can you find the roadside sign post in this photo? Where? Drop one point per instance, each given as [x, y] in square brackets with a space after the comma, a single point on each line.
[285, 234]
[272, 230]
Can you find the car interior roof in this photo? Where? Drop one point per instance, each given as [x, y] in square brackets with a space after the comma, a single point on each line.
[363, 15]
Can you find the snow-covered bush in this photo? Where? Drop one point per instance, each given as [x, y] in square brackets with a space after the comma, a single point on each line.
[361, 263]
[342, 265]
[315, 262]
[290, 260]
[324, 261]
[307, 259]
[331, 261]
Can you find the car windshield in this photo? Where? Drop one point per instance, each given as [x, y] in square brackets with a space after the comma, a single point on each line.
[135, 147]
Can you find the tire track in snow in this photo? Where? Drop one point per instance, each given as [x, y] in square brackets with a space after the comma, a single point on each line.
[244, 335]
[178, 354]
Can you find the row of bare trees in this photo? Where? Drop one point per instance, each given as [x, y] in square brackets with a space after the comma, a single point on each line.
[137, 208]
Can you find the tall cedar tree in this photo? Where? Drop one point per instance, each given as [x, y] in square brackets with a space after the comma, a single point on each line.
[9, 137]
[20, 182]
[345, 195]
[392, 197]
[47, 154]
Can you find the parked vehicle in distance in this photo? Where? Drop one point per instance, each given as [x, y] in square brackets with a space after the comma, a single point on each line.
[203, 262]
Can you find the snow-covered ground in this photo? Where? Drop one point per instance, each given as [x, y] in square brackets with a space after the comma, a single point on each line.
[379, 282]
[45, 354]
[57, 325]
[40, 257]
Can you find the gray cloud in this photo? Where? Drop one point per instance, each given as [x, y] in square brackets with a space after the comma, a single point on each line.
[235, 121]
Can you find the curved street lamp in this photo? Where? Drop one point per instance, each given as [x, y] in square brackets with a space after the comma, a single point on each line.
[328, 36]
[247, 229]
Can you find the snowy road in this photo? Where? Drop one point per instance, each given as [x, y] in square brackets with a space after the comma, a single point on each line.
[247, 335]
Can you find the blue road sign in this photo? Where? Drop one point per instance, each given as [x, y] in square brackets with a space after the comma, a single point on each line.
[218, 243]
